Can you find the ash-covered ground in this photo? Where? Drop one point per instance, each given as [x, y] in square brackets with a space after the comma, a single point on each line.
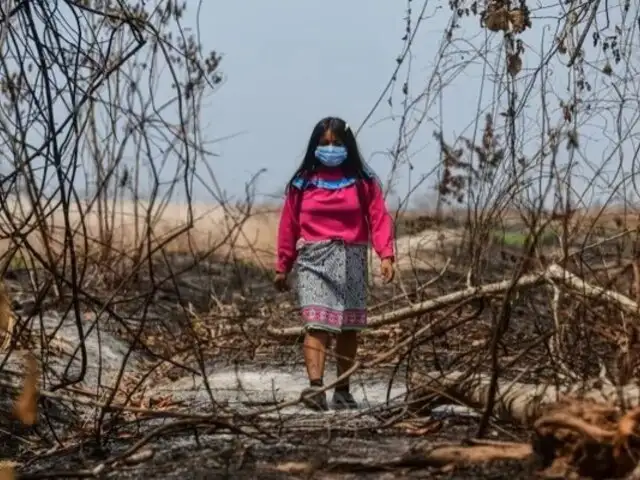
[201, 349]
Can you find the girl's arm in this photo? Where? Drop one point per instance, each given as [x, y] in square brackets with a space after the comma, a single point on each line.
[288, 231]
[381, 223]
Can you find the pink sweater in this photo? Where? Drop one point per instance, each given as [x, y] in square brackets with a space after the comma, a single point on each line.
[330, 208]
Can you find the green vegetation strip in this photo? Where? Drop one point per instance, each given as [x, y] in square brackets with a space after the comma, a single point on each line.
[517, 239]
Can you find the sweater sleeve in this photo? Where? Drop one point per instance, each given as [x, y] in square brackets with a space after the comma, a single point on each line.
[288, 232]
[381, 223]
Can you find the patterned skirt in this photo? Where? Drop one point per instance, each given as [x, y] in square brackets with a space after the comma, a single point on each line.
[332, 285]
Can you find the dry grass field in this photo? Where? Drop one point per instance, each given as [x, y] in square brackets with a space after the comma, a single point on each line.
[125, 230]
[250, 237]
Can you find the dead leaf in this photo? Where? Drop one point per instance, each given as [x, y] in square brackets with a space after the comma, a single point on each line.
[562, 48]
[7, 470]
[26, 407]
[517, 19]
[460, 455]
[7, 318]
[420, 428]
[139, 457]
[496, 19]
[161, 402]
[294, 467]
[514, 64]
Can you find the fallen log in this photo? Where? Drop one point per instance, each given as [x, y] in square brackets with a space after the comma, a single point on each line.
[435, 456]
[576, 428]
[517, 402]
[557, 273]
[554, 273]
[452, 454]
[427, 306]
[576, 439]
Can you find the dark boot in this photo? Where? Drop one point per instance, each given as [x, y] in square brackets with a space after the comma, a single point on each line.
[314, 399]
[343, 400]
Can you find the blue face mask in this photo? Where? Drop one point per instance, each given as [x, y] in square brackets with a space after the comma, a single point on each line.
[331, 155]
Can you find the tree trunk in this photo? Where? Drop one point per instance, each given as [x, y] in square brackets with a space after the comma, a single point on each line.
[518, 402]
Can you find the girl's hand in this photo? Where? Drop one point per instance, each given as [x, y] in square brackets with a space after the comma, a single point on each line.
[280, 282]
[387, 270]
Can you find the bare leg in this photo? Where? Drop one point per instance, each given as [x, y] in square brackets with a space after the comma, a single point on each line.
[315, 352]
[346, 349]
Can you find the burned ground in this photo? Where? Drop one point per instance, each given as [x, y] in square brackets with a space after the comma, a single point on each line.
[158, 418]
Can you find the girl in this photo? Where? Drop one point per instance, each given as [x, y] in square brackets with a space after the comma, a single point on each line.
[333, 205]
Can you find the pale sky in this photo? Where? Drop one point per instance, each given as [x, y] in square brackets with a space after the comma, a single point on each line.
[288, 63]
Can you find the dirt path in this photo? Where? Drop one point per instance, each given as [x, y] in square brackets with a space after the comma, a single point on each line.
[262, 443]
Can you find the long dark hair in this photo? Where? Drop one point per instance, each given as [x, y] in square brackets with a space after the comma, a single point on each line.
[353, 165]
